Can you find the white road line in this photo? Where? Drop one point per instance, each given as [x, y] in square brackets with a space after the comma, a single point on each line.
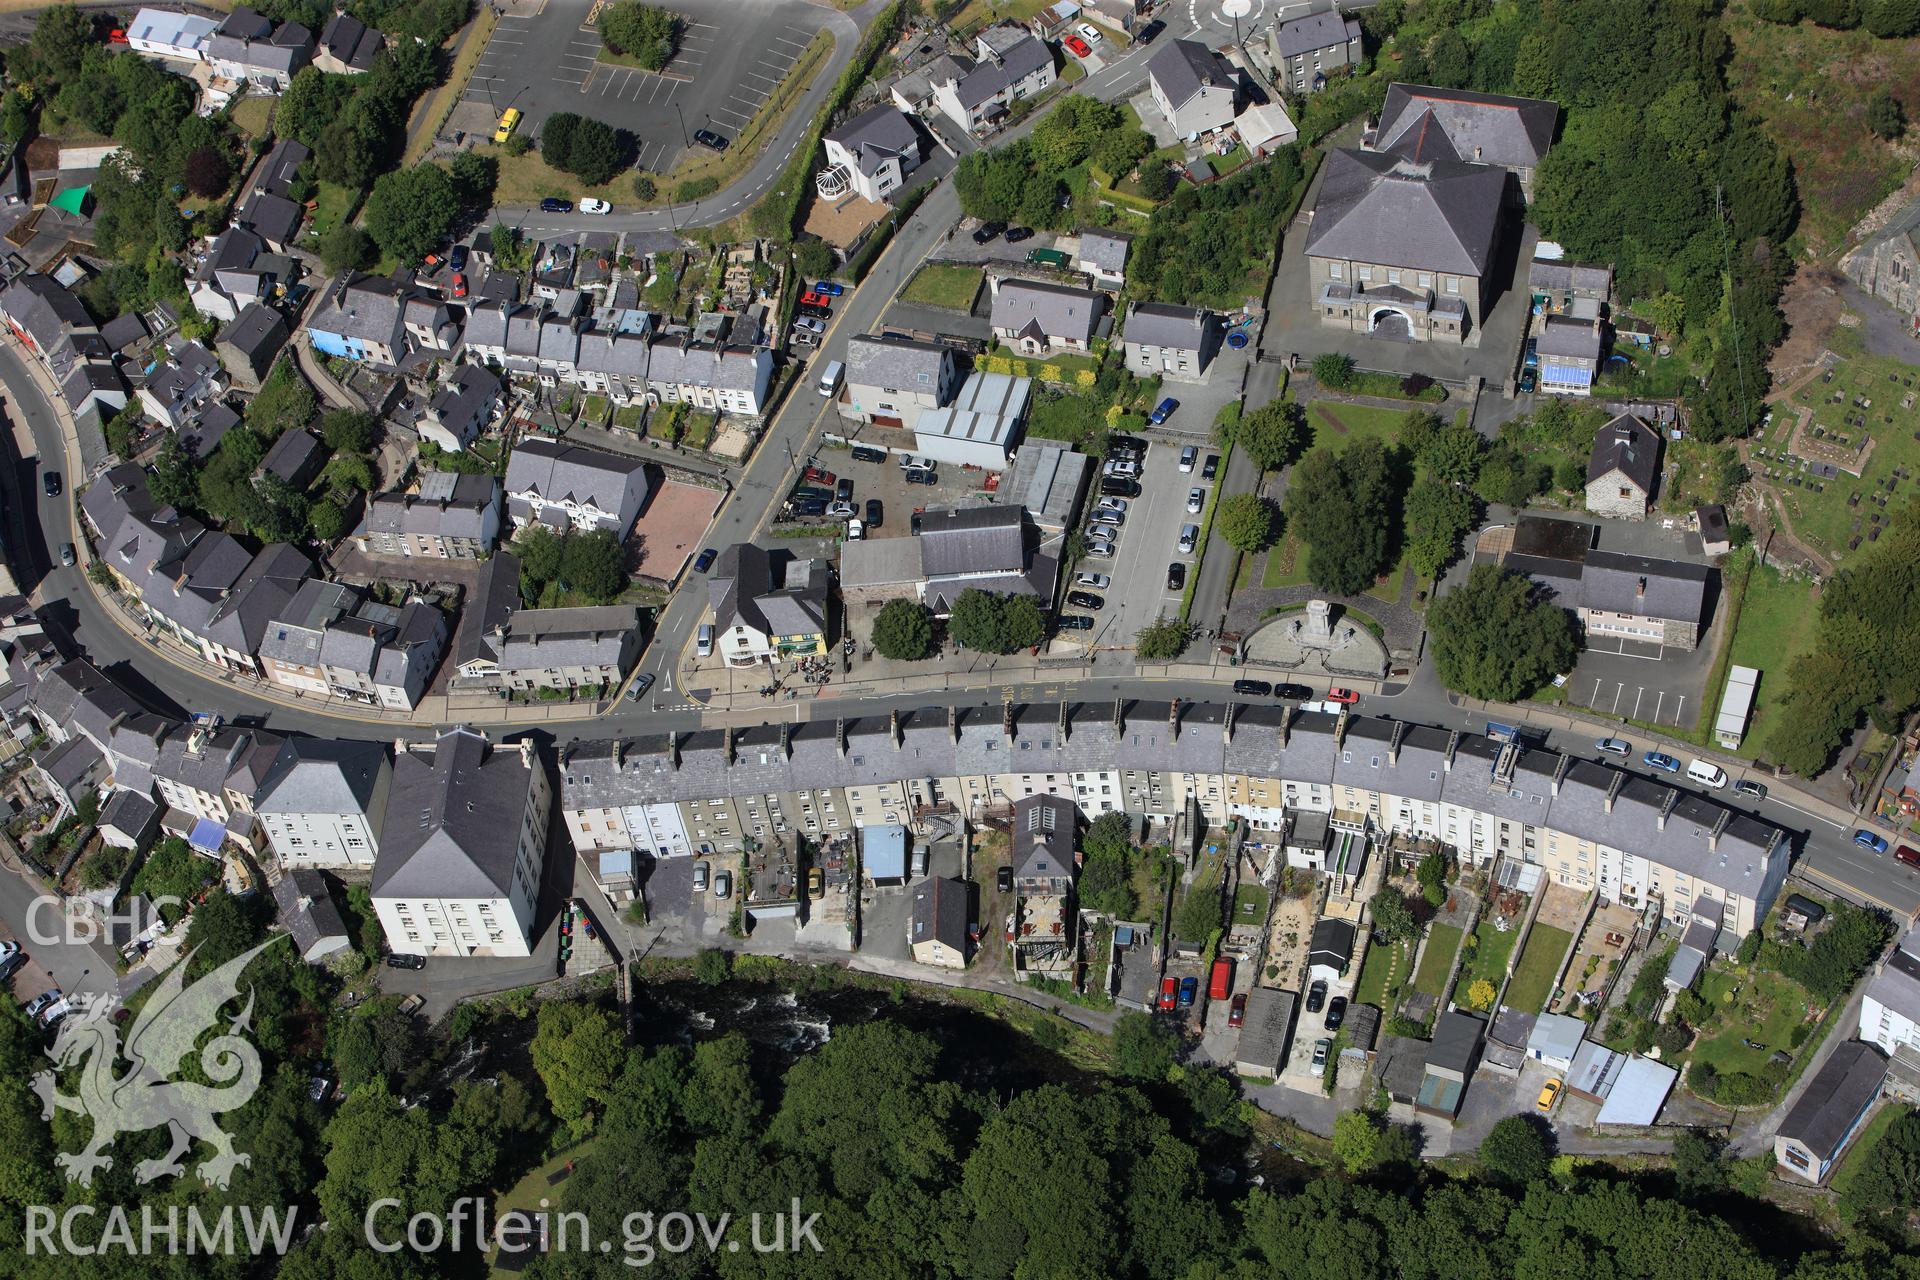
[575, 83]
[657, 84]
[736, 117]
[498, 40]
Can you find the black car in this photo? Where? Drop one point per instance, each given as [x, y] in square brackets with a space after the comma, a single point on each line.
[844, 489]
[708, 138]
[401, 960]
[1212, 468]
[988, 231]
[704, 561]
[874, 512]
[865, 453]
[1016, 234]
[1748, 787]
[1298, 692]
[1004, 879]
[51, 483]
[810, 507]
[919, 475]
[1336, 1012]
[1119, 487]
[1146, 34]
[913, 522]
[554, 204]
[1085, 600]
[814, 310]
[1176, 576]
[1317, 996]
[457, 260]
[1253, 688]
[1076, 622]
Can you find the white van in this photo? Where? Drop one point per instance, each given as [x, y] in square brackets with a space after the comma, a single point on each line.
[830, 380]
[703, 641]
[1706, 774]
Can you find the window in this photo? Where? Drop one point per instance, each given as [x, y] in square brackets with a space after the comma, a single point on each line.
[1393, 275]
[1453, 284]
[1426, 279]
[1336, 271]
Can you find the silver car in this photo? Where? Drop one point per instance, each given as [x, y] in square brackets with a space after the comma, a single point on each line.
[1196, 499]
[1100, 547]
[1098, 581]
[1189, 538]
[700, 872]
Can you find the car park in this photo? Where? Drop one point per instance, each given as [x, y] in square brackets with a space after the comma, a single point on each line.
[1237, 1011]
[866, 453]
[1317, 996]
[1549, 1094]
[1661, 761]
[1211, 468]
[1189, 990]
[554, 204]
[704, 561]
[1196, 501]
[1169, 993]
[988, 231]
[700, 873]
[1098, 581]
[1345, 697]
[831, 288]
[1085, 600]
[1176, 576]
[1188, 456]
[589, 205]
[1336, 1013]
[1706, 773]
[1163, 411]
[1253, 688]
[1016, 234]
[708, 138]
[1614, 747]
[875, 510]
[1077, 47]
[1749, 787]
[1868, 840]
[1075, 622]
[1189, 538]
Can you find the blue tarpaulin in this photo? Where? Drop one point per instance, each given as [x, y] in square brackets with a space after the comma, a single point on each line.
[208, 835]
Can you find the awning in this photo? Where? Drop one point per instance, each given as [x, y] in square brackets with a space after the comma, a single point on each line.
[73, 200]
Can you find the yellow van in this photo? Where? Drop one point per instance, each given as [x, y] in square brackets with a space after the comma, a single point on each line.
[508, 119]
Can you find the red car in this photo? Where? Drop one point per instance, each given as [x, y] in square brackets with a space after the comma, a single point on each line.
[1079, 47]
[1237, 1011]
[459, 284]
[812, 299]
[816, 476]
[1346, 696]
[1169, 993]
[117, 36]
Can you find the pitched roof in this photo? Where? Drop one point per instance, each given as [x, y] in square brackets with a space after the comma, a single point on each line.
[1425, 122]
[1315, 31]
[295, 456]
[742, 592]
[877, 135]
[1896, 985]
[558, 472]
[352, 41]
[258, 331]
[940, 912]
[1438, 216]
[1161, 324]
[306, 909]
[322, 775]
[1823, 1118]
[1570, 337]
[898, 363]
[282, 166]
[1644, 586]
[1043, 837]
[972, 540]
[1105, 249]
[1629, 446]
[272, 218]
[1182, 68]
[591, 636]
[365, 307]
[492, 601]
[991, 76]
[1046, 310]
[453, 820]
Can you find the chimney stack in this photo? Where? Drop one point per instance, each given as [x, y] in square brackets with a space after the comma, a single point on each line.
[619, 752]
[1340, 729]
[1666, 807]
[953, 724]
[1560, 772]
[786, 740]
[1065, 729]
[1226, 724]
[727, 743]
[1453, 745]
[1393, 743]
[840, 736]
[1173, 720]
[1613, 788]
[1119, 719]
[1286, 722]
[893, 727]
[1006, 719]
[673, 751]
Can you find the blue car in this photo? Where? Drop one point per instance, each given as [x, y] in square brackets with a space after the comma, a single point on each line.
[1665, 763]
[829, 288]
[705, 560]
[1868, 840]
[554, 204]
[1164, 410]
[1189, 988]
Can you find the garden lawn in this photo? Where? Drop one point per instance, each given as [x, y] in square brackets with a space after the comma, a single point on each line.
[1489, 960]
[528, 1194]
[1768, 1008]
[331, 204]
[1336, 425]
[1443, 941]
[1250, 903]
[1383, 964]
[943, 285]
[1533, 976]
[253, 116]
[1286, 563]
[1778, 622]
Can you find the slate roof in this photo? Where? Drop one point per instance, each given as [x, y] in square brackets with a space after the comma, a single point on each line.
[1043, 838]
[352, 41]
[1456, 1037]
[322, 775]
[1182, 68]
[990, 77]
[129, 812]
[273, 218]
[940, 913]
[1106, 250]
[1574, 339]
[1546, 273]
[488, 606]
[1834, 1099]
[1897, 984]
[1438, 216]
[877, 135]
[1315, 31]
[1644, 586]
[1036, 308]
[1424, 122]
[741, 589]
[364, 307]
[456, 510]
[972, 540]
[453, 821]
[1630, 446]
[257, 332]
[281, 167]
[897, 363]
[306, 909]
[295, 457]
[593, 636]
[559, 471]
[1264, 1027]
[124, 330]
[1161, 324]
[71, 762]
[1332, 943]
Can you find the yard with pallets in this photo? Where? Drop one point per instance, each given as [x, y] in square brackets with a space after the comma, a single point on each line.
[1855, 401]
[1539, 963]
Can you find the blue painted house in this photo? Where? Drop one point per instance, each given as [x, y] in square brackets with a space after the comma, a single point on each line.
[359, 318]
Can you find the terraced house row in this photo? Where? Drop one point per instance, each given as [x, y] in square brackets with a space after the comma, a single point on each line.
[1587, 825]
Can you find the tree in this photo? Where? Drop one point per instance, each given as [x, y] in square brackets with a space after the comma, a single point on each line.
[813, 256]
[1437, 515]
[1157, 180]
[1480, 994]
[1516, 1151]
[577, 1053]
[903, 631]
[1333, 370]
[1749, 949]
[346, 248]
[1393, 919]
[221, 928]
[347, 430]
[284, 403]
[645, 189]
[589, 149]
[594, 564]
[1248, 522]
[712, 967]
[474, 174]
[411, 211]
[1432, 875]
[1888, 1184]
[1885, 117]
[208, 171]
[1886, 19]
[1356, 1141]
[1698, 1169]
[1342, 505]
[1162, 639]
[1143, 1047]
[1453, 454]
[1274, 434]
[1494, 640]
[993, 623]
[327, 519]
[61, 36]
[646, 34]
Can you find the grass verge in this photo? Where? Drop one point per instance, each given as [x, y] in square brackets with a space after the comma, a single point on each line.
[432, 112]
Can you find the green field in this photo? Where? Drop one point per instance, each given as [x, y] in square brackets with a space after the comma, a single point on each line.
[1823, 511]
[1443, 940]
[943, 285]
[1336, 425]
[1769, 1006]
[1533, 976]
[1778, 623]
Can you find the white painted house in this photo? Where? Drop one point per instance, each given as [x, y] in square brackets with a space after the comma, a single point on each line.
[322, 802]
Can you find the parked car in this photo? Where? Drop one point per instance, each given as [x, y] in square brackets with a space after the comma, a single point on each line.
[1253, 688]
[1104, 516]
[700, 872]
[1100, 548]
[1706, 773]
[1749, 787]
[843, 488]
[589, 205]
[920, 475]
[813, 298]
[1075, 622]
[1078, 47]
[816, 883]
[810, 507]
[404, 960]
[1298, 692]
[723, 884]
[814, 311]
[866, 453]
[907, 461]
[1016, 234]
[1321, 1048]
[856, 530]
[459, 284]
[1089, 32]
[1211, 468]
[1119, 487]
[1237, 1011]
[1908, 854]
[1345, 697]
[1317, 996]
[1533, 352]
[1086, 600]
[1188, 456]
[704, 561]
[1112, 504]
[51, 484]
[808, 324]
[1169, 994]
[831, 288]
[708, 138]
[1549, 1094]
[457, 260]
[1125, 468]
[1176, 576]
[987, 231]
[818, 475]
[68, 557]
[1196, 501]
[1189, 990]
[874, 511]
[1163, 411]
[1146, 34]
[1189, 538]
[1336, 1012]
[638, 689]
[1614, 747]
[840, 510]
[554, 204]
[1098, 581]
[509, 121]
[1003, 879]
[1868, 840]
[1661, 761]
[801, 338]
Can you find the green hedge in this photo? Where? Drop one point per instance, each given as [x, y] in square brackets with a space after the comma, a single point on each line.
[863, 259]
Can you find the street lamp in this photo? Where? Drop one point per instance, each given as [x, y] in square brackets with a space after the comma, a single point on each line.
[684, 140]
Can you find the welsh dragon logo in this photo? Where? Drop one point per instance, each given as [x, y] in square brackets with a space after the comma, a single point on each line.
[163, 1038]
